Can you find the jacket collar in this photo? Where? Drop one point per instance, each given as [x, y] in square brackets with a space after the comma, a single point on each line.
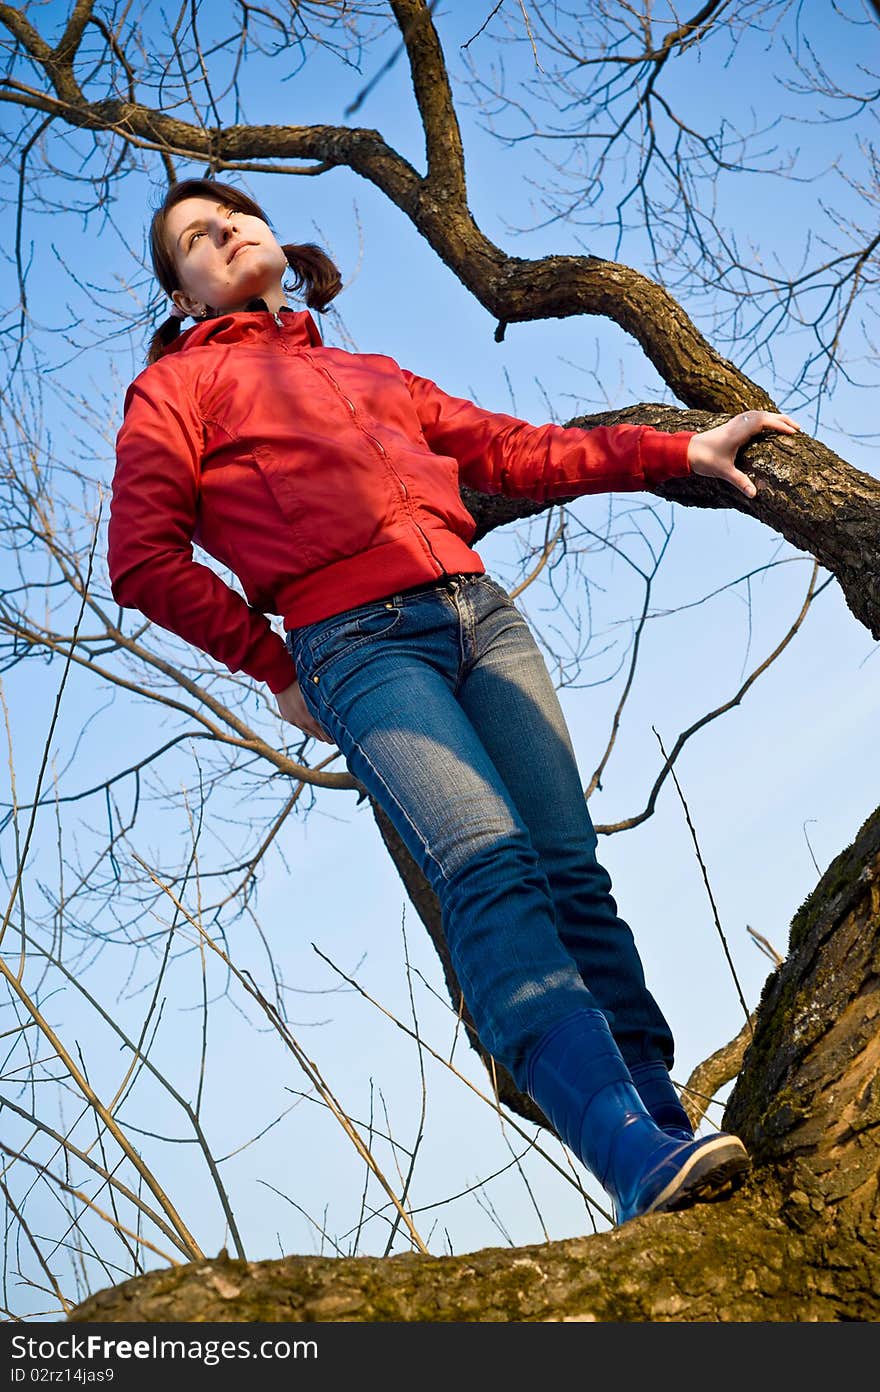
[249, 326]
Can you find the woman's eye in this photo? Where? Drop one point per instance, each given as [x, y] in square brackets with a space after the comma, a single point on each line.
[192, 239]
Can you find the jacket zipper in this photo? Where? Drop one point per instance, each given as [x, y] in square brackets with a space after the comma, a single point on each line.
[383, 453]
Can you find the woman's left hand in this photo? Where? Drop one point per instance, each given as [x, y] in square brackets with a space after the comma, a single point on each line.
[712, 453]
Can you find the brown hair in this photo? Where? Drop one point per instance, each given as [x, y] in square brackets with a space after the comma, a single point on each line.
[314, 273]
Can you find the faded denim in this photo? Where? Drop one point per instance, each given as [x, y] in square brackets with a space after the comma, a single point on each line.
[442, 704]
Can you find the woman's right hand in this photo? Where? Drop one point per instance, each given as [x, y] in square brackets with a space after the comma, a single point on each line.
[293, 708]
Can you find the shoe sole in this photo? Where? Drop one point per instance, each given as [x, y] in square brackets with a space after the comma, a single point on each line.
[713, 1172]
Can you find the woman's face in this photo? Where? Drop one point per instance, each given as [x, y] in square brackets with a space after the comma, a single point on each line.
[224, 258]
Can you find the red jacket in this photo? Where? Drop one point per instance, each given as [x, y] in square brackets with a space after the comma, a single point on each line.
[322, 479]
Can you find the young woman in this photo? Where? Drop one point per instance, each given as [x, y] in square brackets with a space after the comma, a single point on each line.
[328, 482]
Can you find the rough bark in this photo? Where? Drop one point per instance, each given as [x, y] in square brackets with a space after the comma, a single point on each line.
[800, 1242]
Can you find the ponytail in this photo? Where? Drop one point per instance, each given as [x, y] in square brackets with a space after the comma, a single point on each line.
[164, 335]
[316, 277]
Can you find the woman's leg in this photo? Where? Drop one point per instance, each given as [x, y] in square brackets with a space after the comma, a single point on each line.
[385, 681]
[382, 681]
[512, 704]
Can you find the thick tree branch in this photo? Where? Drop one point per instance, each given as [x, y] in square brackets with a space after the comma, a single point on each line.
[443, 147]
[807, 493]
[66, 48]
[513, 290]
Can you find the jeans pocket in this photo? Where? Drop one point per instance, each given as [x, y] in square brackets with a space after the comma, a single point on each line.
[317, 645]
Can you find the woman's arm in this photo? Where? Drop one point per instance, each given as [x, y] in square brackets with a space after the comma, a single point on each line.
[153, 515]
[498, 453]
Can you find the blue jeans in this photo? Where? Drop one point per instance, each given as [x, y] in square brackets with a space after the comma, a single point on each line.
[443, 706]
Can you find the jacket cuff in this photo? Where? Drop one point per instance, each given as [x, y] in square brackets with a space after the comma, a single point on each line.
[271, 663]
[664, 456]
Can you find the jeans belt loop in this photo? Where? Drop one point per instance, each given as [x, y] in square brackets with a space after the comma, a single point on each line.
[452, 583]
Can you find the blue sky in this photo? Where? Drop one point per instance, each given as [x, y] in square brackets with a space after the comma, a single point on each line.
[775, 788]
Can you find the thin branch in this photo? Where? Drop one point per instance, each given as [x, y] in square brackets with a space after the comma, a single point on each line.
[735, 700]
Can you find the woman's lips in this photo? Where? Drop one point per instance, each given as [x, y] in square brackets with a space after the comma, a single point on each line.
[234, 254]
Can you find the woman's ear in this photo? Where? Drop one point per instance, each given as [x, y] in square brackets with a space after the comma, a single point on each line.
[192, 307]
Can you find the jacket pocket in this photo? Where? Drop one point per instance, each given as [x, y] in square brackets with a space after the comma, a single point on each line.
[286, 491]
[334, 495]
